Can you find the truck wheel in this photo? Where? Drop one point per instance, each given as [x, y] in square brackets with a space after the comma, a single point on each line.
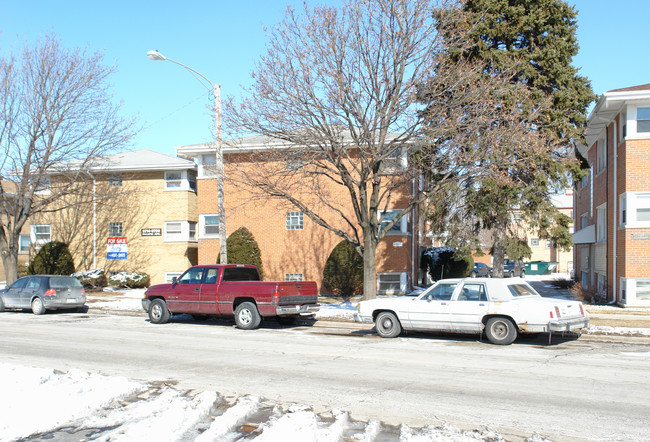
[246, 316]
[158, 312]
[388, 325]
[500, 331]
[37, 306]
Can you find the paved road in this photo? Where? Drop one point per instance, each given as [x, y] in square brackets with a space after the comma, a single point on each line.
[590, 388]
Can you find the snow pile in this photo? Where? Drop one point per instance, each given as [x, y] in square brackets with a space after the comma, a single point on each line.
[618, 331]
[49, 404]
[127, 300]
[342, 311]
[36, 399]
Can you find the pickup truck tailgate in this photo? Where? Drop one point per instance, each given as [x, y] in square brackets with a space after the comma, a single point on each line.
[297, 293]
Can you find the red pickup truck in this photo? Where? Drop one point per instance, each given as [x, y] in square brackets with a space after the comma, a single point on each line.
[230, 290]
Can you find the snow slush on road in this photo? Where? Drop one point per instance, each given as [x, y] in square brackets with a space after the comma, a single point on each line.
[44, 403]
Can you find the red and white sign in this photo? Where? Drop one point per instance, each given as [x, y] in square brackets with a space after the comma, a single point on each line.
[116, 248]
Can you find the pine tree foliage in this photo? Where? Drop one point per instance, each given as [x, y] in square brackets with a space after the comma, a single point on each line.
[243, 249]
[54, 258]
[343, 272]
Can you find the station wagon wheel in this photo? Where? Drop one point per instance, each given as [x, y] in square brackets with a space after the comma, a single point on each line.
[37, 306]
[500, 331]
[388, 325]
[246, 316]
[158, 312]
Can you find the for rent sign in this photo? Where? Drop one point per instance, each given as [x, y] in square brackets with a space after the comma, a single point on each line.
[116, 248]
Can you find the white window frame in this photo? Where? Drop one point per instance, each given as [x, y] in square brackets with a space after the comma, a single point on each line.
[179, 231]
[646, 119]
[534, 242]
[601, 223]
[22, 249]
[295, 221]
[629, 205]
[34, 235]
[185, 182]
[622, 127]
[202, 226]
[629, 291]
[170, 275]
[44, 187]
[400, 228]
[207, 166]
[403, 282]
[293, 277]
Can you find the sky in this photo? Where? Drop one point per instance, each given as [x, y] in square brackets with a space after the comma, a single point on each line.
[223, 39]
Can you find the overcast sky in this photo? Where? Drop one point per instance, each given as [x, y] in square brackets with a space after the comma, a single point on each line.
[222, 39]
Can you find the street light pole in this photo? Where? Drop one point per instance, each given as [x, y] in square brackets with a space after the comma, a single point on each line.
[223, 251]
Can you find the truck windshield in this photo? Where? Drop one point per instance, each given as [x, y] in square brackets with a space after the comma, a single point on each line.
[240, 274]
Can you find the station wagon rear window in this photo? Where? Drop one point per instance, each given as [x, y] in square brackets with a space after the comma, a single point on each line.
[521, 290]
[64, 281]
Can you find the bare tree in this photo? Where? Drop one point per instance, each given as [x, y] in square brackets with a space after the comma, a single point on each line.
[340, 94]
[55, 108]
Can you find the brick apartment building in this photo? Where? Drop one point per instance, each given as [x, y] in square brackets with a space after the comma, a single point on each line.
[147, 197]
[292, 246]
[612, 203]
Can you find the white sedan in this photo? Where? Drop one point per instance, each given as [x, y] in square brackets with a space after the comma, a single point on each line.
[502, 308]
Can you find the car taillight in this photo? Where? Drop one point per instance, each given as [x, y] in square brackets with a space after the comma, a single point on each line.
[557, 311]
[83, 292]
[582, 311]
[50, 292]
[276, 296]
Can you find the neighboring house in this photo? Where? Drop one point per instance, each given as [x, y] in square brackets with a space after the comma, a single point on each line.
[144, 197]
[612, 203]
[292, 246]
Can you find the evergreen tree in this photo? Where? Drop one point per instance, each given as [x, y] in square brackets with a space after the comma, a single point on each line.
[343, 272]
[54, 258]
[243, 249]
[533, 43]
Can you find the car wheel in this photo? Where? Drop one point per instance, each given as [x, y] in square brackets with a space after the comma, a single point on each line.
[500, 331]
[472, 275]
[37, 306]
[523, 274]
[388, 325]
[246, 316]
[158, 312]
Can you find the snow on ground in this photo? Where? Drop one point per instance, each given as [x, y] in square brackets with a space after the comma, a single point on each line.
[49, 404]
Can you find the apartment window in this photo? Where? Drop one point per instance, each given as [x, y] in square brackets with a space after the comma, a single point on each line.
[41, 233]
[208, 167]
[293, 277]
[584, 221]
[643, 119]
[191, 179]
[601, 160]
[601, 223]
[585, 180]
[173, 180]
[294, 164]
[549, 244]
[602, 283]
[622, 210]
[43, 185]
[294, 221]
[534, 242]
[622, 127]
[209, 226]
[114, 229]
[23, 245]
[173, 231]
[192, 230]
[170, 275]
[400, 227]
[388, 283]
[115, 180]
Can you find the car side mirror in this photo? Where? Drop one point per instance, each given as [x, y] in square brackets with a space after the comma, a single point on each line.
[174, 280]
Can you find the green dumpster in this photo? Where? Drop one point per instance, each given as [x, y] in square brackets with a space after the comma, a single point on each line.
[540, 267]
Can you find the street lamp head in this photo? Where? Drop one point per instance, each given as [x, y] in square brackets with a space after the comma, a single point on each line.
[155, 55]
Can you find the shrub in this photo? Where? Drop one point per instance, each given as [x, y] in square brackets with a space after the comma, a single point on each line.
[445, 262]
[343, 272]
[132, 280]
[54, 258]
[591, 296]
[243, 249]
[92, 278]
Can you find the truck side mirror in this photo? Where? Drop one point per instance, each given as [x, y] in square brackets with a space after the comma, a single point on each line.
[174, 280]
